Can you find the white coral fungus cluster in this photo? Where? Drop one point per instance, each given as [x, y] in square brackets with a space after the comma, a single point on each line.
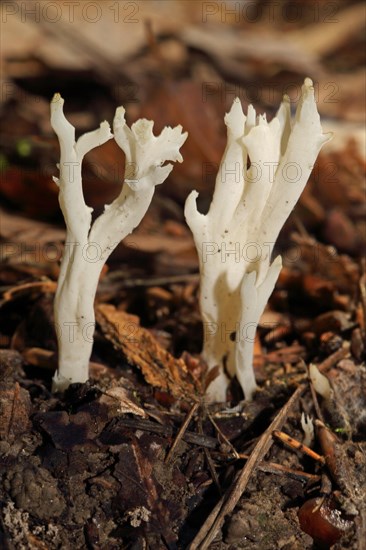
[87, 246]
[263, 171]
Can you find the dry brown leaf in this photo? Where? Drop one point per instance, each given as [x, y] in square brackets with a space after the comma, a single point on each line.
[38, 287]
[230, 49]
[141, 349]
[117, 399]
[323, 38]
[76, 38]
[40, 357]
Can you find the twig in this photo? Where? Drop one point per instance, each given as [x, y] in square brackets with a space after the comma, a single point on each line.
[26, 288]
[223, 436]
[209, 461]
[294, 444]
[181, 432]
[333, 359]
[228, 502]
[167, 431]
[278, 469]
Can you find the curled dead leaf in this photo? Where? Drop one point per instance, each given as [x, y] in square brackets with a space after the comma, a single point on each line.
[141, 349]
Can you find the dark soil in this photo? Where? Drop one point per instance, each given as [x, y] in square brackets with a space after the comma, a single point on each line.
[89, 469]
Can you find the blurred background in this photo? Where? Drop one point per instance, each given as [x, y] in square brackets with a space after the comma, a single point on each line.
[175, 62]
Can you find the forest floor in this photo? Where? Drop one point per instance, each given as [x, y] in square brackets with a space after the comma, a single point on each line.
[136, 458]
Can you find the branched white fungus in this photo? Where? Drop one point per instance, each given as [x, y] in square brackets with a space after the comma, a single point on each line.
[87, 248]
[307, 425]
[236, 237]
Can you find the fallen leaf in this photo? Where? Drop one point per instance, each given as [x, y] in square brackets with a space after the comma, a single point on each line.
[117, 399]
[141, 349]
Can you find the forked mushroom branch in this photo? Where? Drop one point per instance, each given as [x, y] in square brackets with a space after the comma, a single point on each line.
[235, 239]
[87, 246]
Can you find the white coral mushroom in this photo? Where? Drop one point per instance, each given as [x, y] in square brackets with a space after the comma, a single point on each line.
[87, 248]
[235, 238]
